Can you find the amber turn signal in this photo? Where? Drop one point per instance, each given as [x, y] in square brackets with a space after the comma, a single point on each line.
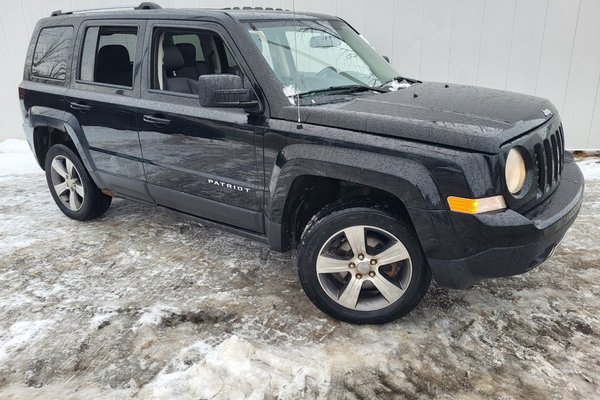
[476, 206]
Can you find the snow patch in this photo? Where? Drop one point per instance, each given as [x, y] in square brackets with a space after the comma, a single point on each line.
[19, 334]
[590, 168]
[237, 369]
[154, 315]
[16, 158]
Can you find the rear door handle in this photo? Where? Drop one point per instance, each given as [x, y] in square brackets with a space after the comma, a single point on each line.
[151, 119]
[80, 106]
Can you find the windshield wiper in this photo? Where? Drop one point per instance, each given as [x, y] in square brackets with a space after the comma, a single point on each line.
[399, 79]
[343, 89]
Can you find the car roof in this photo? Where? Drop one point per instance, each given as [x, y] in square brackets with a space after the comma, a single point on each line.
[236, 13]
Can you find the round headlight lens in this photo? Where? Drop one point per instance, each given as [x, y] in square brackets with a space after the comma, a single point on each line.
[515, 171]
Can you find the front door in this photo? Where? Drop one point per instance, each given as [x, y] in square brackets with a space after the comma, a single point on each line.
[103, 98]
[200, 161]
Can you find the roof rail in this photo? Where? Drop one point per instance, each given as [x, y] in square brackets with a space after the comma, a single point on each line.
[146, 5]
[254, 8]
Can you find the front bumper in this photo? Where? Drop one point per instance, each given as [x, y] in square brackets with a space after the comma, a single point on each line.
[505, 243]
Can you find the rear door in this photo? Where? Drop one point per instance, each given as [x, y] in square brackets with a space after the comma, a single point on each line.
[205, 162]
[103, 97]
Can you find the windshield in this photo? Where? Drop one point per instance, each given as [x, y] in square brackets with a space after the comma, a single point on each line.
[314, 55]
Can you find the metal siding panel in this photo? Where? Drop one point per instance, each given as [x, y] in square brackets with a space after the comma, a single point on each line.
[186, 3]
[5, 87]
[353, 11]
[557, 48]
[583, 77]
[407, 37]
[466, 41]
[323, 6]
[377, 15]
[16, 40]
[437, 37]
[526, 45]
[63, 5]
[33, 11]
[495, 43]
[594, 136]
[492, 43]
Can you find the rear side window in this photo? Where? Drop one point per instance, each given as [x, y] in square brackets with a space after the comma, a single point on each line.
[108, 54]
[52, 53]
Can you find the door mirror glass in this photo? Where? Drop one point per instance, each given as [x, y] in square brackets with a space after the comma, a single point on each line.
[225, 90]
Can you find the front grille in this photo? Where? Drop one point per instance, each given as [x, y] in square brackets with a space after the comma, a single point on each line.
[549, 161]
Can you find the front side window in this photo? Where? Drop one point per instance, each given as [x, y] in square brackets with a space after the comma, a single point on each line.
[181, 56]
[311, 55]
[52, 53]
[108, 54]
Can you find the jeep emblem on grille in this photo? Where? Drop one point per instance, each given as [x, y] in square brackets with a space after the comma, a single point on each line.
[547, 112]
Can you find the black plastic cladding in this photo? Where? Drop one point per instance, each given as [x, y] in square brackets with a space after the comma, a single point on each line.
[420, 144]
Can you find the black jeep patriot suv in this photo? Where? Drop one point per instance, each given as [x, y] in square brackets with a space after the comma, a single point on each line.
[291, 129]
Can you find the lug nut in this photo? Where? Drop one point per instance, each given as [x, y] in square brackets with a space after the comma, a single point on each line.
[372, 274]
[360, 257]
[358, 276]
[373, 262]
[352, 265]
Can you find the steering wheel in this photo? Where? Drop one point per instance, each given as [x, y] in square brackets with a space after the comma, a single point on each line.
[327, 71]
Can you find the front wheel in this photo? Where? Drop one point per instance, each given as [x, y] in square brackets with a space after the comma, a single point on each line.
[361, 265]
[72, 188]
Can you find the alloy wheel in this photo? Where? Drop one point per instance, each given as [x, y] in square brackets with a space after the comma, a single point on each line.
[364, 268]
[66, 183]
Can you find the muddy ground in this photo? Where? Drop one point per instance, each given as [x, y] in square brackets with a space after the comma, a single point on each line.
[144, 304]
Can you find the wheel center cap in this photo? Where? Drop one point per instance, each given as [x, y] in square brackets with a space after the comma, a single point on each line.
[363, 267]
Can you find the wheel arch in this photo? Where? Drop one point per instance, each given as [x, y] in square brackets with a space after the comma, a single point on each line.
[401, 183]
[50, 127]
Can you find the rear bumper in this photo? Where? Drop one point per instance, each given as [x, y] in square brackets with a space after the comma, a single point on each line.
[506, 243]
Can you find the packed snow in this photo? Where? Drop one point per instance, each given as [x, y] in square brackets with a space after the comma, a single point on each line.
[144, 304]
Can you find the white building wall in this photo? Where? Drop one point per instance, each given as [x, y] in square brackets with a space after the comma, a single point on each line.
[549, 48]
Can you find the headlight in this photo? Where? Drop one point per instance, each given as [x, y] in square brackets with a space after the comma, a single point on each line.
[515, 171]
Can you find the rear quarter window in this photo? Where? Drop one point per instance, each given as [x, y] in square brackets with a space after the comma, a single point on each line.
[52, 53]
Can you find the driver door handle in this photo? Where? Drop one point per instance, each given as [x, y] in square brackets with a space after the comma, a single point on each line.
[80, 106]
[151, 119]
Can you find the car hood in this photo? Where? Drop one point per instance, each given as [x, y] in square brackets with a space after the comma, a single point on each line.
[466, 117]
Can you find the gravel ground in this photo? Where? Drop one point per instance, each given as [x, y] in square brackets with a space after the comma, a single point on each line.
[143, 304]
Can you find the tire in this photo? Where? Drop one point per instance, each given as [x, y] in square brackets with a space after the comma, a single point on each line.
[72, 188]
[354, 289]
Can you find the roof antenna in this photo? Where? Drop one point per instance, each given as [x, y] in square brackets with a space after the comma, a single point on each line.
[299, 126]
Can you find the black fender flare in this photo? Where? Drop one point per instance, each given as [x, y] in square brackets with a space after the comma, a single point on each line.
[406, 179]
[68, 123]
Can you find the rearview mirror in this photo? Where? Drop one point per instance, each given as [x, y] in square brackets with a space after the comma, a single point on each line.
[225, 90]
[324, 41]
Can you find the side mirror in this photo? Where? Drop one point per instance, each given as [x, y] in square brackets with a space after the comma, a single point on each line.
[227, 91]
[386, 58]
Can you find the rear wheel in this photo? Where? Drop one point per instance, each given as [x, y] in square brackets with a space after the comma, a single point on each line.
[362, 265]
[73, 190]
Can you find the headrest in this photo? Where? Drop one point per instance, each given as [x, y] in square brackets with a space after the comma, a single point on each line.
[113, 58]
[188, 51]
[172, 58]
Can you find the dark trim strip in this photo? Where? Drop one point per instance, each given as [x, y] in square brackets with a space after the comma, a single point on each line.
[208, 209]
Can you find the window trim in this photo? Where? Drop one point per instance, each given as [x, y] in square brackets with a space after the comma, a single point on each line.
[148, 93]
[104, 84]
[152, 55]
[68, 61]
[130, 91]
